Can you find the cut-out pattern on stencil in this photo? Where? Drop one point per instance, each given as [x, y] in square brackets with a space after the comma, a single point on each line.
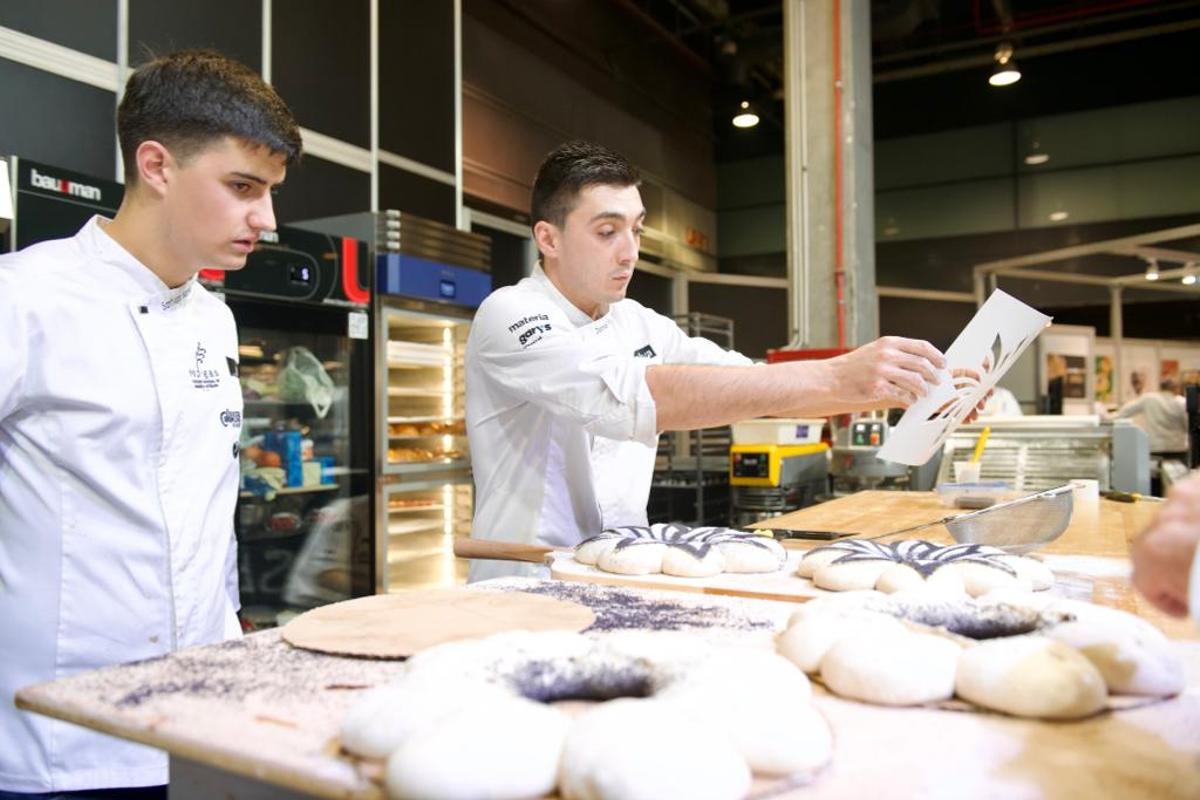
[990, 344]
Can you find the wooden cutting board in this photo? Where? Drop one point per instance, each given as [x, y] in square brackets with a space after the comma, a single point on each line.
[398, 625]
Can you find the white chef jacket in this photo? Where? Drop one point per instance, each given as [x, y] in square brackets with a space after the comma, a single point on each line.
[119, 418]
[562, 426]
[1165, 420]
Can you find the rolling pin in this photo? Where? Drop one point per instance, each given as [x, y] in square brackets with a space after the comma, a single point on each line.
[501, 551]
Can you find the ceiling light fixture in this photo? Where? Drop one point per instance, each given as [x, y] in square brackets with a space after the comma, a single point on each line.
[1189, 275]
[745, 117]
[1151, 269]
[1058, 216]
[1005, 72]
[1035, 156]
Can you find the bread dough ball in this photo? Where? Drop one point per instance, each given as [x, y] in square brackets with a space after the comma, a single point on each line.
[505, 749]
[1030, 676]
[979, 579]
[645, 750]
[850, 575]
[638, 559]
[892, 668]
[760, 554]
[1035, 572]
[1133, 656]
[763, 702]
[680, 562]
[809, 637]
[815, 559]
[589, 552]
[383, 718]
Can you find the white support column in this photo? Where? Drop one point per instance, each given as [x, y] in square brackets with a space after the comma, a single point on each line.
[122, 72]
[374, 89]
[1116, 332]
[830, 211]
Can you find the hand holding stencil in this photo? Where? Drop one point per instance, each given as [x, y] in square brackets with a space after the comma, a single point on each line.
[985, 350]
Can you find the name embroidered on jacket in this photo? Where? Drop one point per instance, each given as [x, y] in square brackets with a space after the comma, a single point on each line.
[644, 352]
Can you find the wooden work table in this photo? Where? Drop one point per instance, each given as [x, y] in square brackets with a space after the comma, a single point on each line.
[258, 719]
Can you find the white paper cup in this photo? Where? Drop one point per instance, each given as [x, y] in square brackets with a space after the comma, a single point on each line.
[1086, 490]
[967, 471]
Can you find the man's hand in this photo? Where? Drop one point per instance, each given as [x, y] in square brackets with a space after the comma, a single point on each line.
[1162, 554]
[887, 373]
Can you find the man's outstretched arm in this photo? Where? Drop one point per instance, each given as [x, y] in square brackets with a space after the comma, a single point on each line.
[888, 373]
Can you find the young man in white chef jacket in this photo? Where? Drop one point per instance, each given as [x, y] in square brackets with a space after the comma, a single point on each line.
[118, 378]
[569, 382]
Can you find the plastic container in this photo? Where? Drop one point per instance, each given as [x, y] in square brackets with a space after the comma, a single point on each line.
[949, 493]
[778, 431]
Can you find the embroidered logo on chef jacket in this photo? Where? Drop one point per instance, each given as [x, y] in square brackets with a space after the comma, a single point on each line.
[203, 378]
[644, 352]
[229, 417]
[529, 330]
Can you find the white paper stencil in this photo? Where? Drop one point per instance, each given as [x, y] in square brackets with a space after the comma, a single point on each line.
[990, 344]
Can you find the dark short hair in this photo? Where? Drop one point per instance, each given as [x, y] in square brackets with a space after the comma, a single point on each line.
[570, 169]
[188, 99]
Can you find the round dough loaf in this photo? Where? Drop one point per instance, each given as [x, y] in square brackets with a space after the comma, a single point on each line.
[761, 554]
[1030, 676]
[897, 668]
[645, 750]
[503, 749]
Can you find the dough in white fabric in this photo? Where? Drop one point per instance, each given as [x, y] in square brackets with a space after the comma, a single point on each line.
[640, 559]
[763, 554]
[505, 749]
[896, 668]
[903, 578]
[809, 637]
[646, 750]
[763, 702]
[1133, 656]
[383, 718]
[1030, 676]
[815, 560]
[680, 562]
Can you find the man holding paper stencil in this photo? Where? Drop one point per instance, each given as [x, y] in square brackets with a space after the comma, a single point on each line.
[569, 383]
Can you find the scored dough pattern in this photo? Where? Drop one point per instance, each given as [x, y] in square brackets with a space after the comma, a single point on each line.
[923, 556]
[695, 541]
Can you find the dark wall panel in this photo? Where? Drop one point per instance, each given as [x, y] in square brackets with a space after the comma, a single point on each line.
[416, 81]
[232, 27]
[89, 26]
[937, 322]
[406, 191]
[321, 65]
[320, 188]
[652, 291]
[759, 314]
[57, 121]
[508, 256]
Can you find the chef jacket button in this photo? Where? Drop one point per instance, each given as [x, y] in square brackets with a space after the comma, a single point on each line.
[154, 639]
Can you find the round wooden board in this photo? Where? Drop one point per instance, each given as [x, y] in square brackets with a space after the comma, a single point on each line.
[398, 625]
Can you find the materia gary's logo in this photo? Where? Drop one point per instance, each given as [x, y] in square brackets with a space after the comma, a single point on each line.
[203, 378]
